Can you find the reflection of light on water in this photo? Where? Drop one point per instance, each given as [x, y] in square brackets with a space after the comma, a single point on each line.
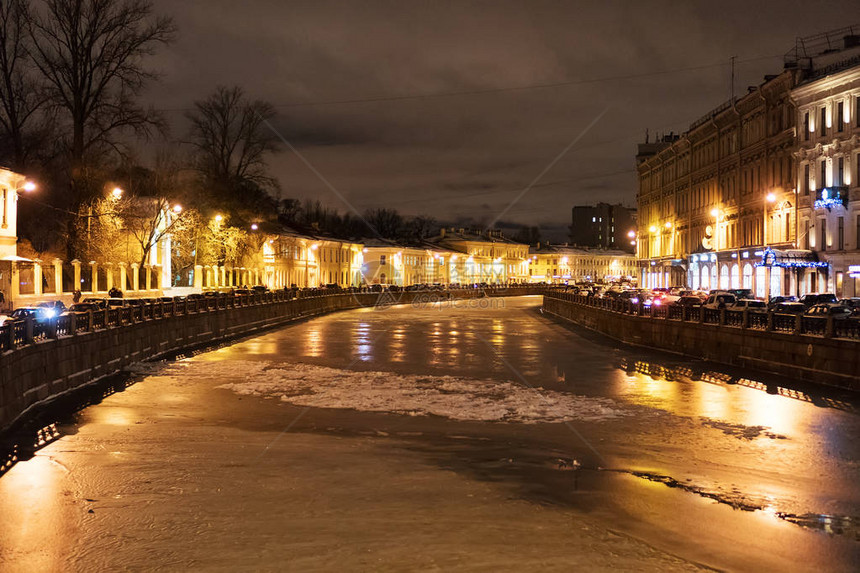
[313, 343]
[774, 412]
[30, 492]
[112, 416]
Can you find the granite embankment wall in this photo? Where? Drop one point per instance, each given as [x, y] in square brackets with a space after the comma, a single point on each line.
[38, 363]
[710, 335]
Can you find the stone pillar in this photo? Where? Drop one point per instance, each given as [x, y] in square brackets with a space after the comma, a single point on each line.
[207, 275]
[58, 276]
[76, 268]
[223, 276]
[109, 272]
[15, 284]
[37, 277]
[156, 277]
[198, 276]
[135, 276]
[123, 277]
[230, 281]
[147, 269]
[94, 276]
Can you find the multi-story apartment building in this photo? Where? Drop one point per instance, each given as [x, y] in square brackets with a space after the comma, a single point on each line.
[603, 226]
[713, 197]
[293, 258]
[828, 164]
[563, 264]
[482, 256]
[386, 262]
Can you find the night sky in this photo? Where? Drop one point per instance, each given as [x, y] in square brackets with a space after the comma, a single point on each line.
[655, 65]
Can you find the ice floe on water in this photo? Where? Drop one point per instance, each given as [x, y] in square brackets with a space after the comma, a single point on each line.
[451, 397]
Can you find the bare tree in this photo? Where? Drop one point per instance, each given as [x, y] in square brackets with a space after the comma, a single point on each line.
[231, 140]
[21, 96]
[387, 222]
[91, 53]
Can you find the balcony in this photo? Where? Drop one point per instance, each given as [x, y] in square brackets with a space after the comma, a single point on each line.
[830, 197]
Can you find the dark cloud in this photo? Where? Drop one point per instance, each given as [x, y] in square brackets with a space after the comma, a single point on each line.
[469, 155]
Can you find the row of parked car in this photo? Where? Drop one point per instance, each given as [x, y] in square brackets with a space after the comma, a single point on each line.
[810, 304]
[47, 310]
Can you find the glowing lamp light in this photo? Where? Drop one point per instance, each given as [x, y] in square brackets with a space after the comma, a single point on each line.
[314, 247]
[631, 234]
[770, 197]
[29, 186]
[652, 228]
[715, 212]
[564, 260]
[254, 226]
[177, 208]
[825, 194]
[219, 218]
[116, 192]
[668, 225]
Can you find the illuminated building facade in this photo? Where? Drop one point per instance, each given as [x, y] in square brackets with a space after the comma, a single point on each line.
[562, 264]
[304, 260]
[828, 167]
[713, 197]
[483, 256]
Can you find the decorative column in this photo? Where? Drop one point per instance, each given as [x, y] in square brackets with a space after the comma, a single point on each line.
[15, 286]
[58, 276]
[76, 268]
[123, 277]
[94, 276]
[223, 277]
[135, 276]
[230, 281]
[147, 269]
[198, 276]
[109, 272]
[156, 277]
[37, 277]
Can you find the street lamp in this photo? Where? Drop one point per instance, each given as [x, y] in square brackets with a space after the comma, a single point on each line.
[116, 193]
[769, 198]
[254, 226]
[219, 218]
[715, 213]
[177, 209]
[28, 186]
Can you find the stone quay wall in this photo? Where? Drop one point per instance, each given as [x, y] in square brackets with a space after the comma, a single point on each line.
[39, 362]
[813, 349]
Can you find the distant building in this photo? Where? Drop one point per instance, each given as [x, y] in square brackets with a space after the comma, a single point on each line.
[603, 226]
[562, 264]
[482, 256]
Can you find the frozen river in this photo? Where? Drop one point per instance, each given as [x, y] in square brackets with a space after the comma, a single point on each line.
[480, 436]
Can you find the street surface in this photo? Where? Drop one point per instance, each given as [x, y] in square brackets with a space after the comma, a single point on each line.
[476, 436]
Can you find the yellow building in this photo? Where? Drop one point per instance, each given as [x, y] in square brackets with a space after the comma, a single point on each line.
[711, 198]
[307, 261]
[567, 265]
[386, 262]
[483, 256]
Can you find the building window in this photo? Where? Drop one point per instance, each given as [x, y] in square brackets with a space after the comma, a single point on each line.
[841, 234]
[840, 172]
[806, 232]
[857, 234]
[822, 125]
[381, 259]
[822, 181]
[5, 194]
[806, 179]
[806, 126]
[840, 116]
[823, 225]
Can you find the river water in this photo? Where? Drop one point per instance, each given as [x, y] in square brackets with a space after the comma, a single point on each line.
[476, 435]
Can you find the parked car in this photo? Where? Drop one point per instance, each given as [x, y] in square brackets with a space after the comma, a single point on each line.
[751, 304]
[742, 293]
[812, 298]
[52, 307]
[775, 300]
[693, 301]
[720, 299]
[788, 308]
[852, 303]
[84, 307]
[99, 302]
[41, 314]
[826, 309]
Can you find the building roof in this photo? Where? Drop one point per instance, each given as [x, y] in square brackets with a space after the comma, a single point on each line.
[473, 235]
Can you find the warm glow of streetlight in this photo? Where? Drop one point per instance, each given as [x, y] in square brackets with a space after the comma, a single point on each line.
[177, 208]
[715, 212]
[254, 226]
[653, 229]
[631, 234]
[29, 186]
[770, 197]
[219, 218]
[668, 225]
[116, 192]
